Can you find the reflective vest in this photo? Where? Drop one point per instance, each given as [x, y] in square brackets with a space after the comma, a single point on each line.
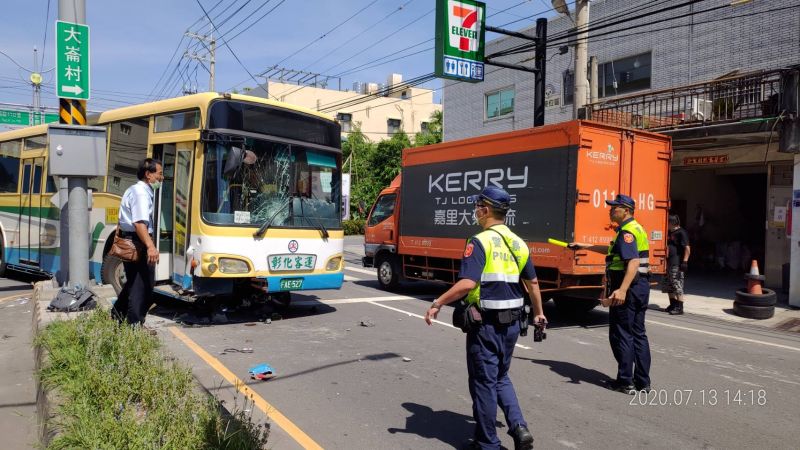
[613, 259]
[500, 266]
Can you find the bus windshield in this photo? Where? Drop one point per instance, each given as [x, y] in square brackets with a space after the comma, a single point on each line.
[250, 181]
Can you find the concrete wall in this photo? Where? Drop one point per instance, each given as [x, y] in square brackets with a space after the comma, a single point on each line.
[684, 51]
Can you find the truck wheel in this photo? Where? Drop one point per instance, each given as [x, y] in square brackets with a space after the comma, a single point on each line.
[113, 272]
[753, 312]
[572, 306]
[388, 273]
[768, 298]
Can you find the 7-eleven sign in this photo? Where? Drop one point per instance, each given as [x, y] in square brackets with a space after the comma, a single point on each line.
[460, 39]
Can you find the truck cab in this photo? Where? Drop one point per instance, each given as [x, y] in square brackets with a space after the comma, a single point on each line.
[380, 236]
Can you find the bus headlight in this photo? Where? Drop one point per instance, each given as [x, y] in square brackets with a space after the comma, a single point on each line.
[232, 265]
[333, 263]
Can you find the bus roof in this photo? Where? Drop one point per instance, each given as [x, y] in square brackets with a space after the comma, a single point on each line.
[199, 100]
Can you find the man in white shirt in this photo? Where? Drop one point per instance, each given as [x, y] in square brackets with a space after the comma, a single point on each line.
[136, 223]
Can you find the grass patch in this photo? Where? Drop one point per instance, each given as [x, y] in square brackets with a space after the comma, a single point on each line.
[116, 389]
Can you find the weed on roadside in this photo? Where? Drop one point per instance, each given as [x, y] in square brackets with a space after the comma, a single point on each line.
[117, 390]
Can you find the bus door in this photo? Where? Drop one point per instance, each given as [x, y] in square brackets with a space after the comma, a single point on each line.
[30, 211]
[172, 211]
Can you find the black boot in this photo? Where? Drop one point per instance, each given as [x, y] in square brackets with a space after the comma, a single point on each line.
[523, 439]
[671, 306]
[677, 310]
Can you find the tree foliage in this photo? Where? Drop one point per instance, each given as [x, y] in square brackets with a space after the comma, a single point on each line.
[373, 166]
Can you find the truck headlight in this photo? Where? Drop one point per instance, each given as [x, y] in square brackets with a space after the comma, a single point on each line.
[232, 265]
[333, 263]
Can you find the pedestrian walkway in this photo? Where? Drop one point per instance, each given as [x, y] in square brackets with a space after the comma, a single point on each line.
[17, 371]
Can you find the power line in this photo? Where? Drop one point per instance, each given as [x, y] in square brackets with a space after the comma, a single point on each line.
[46, 23]
[252, 23]
[226, 44]
[330, 52]
[327, 32]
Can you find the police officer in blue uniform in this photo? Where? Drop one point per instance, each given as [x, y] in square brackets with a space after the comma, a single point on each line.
[628, 294]
[494, 262]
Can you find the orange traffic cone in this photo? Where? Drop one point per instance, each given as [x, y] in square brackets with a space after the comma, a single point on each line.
[754, 281]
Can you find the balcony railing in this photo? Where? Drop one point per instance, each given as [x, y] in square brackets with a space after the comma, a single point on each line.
[747, 97]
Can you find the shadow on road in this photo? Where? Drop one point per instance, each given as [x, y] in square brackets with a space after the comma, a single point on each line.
[452, 428]
[574, 373]
[230, 313]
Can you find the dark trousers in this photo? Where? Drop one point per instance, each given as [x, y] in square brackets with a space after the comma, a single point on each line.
[628, 337]
[135, 299]
[489, 351]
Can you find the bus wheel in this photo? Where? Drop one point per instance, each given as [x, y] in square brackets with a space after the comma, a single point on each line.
[2, 257]
[281, 300]
[388, 272]
[113, 272]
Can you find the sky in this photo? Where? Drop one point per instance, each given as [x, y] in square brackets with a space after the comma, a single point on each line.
[132, 43]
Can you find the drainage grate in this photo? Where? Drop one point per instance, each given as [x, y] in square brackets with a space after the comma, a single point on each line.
[790, 325]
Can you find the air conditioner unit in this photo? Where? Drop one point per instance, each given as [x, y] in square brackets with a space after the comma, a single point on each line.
[698, 109]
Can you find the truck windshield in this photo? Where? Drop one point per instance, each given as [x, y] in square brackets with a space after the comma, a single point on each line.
[248, 181]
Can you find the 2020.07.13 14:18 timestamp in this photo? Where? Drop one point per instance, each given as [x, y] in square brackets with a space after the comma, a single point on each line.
[700, 397]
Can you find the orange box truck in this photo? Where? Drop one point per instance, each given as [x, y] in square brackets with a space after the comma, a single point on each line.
[558, 176]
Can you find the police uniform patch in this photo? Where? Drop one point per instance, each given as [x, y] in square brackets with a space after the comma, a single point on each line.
[628, 238]
[468, 250]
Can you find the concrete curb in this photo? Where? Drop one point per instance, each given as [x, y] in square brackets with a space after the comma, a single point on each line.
[43, 294]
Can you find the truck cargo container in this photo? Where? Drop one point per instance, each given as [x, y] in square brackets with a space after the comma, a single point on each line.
[559, 177]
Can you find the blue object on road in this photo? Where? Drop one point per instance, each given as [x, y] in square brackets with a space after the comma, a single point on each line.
[262, 372]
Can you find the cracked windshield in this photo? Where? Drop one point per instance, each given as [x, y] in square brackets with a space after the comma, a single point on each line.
[255, 181]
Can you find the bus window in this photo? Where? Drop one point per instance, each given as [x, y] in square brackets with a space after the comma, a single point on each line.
[37, 179]
[127, 149]
[9, 165]
[36, 142]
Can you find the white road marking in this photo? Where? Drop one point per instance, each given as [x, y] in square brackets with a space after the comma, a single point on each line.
[344, 301]
[737, 338]
[349, 278]
[423, 317]
[357, 269]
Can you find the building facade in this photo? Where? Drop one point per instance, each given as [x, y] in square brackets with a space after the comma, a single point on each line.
[379, 110]
[707, 75]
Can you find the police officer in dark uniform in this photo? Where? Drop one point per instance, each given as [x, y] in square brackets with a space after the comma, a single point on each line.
[494, 262]
[628, 293]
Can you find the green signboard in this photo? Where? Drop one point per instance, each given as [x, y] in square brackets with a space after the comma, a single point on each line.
[460, 33]
[23, 118]
[72, 60]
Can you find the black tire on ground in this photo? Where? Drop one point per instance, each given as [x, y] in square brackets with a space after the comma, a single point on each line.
[574, 305]
[3, 263]
[768, 298]
[281, 300]
[113, 272]
[753, 312]
[388, 272]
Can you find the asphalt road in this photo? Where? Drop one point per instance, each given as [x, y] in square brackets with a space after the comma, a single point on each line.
[17, 386]
[398, 383]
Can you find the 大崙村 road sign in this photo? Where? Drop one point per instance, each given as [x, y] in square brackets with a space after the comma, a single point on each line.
[72, 60]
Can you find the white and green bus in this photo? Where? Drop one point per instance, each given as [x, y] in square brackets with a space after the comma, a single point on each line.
[251, 197]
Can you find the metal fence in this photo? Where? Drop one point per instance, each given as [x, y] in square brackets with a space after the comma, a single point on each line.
[736, 98]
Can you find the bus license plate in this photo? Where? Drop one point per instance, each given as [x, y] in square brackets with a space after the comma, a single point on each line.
[288, 284]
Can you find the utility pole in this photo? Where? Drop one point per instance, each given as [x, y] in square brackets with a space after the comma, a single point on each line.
[581, 57]
[73, 191]
[210, 44]
[36, 83]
